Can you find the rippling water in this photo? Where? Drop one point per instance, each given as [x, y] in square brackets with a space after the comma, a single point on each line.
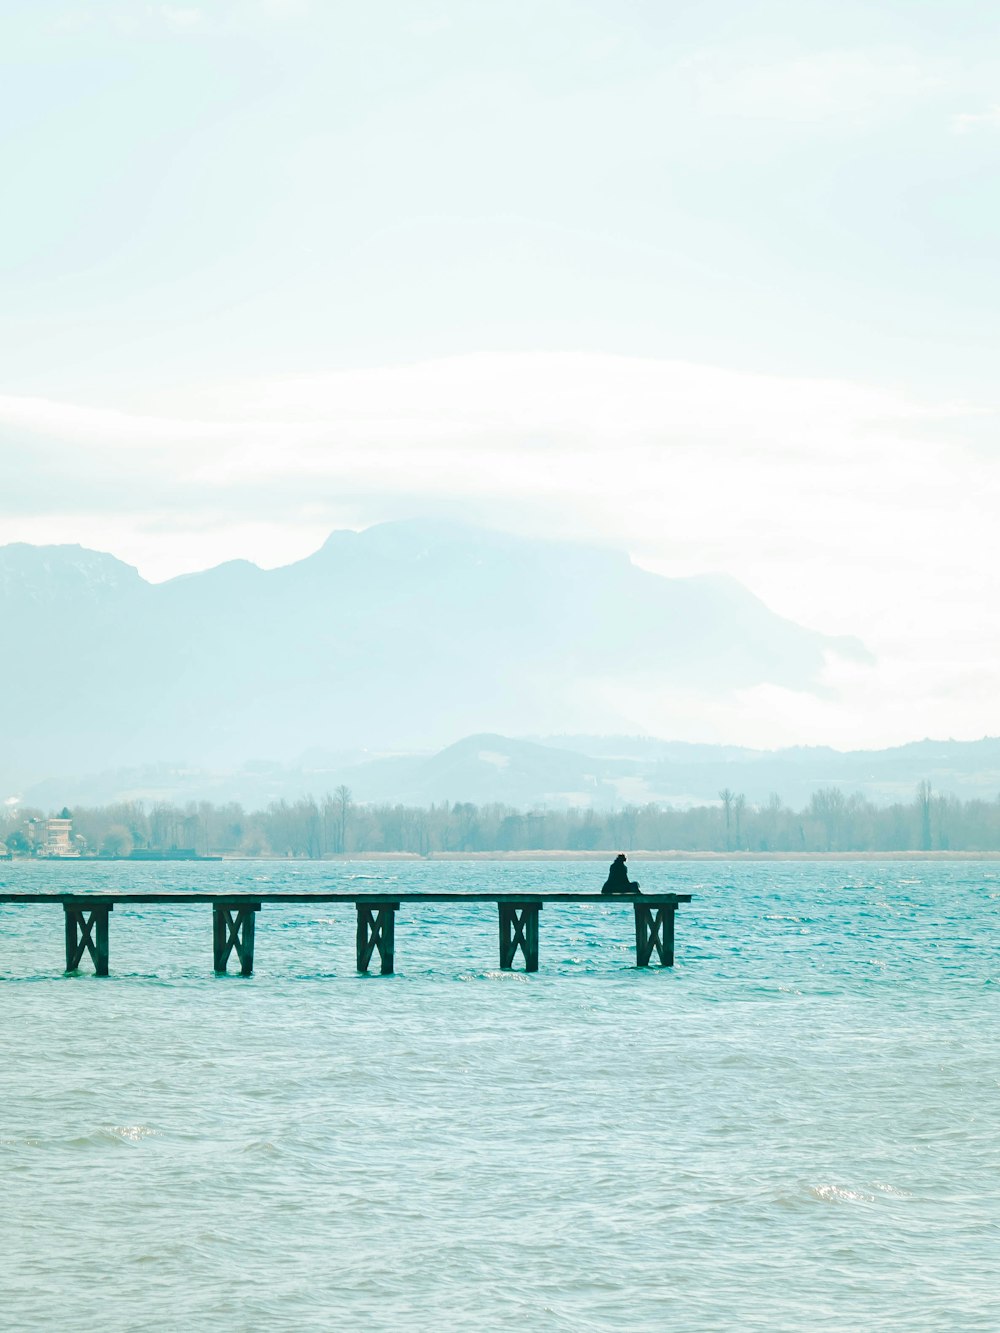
[798, 1128]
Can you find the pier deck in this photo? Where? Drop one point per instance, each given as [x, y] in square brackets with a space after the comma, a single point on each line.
[234, 921]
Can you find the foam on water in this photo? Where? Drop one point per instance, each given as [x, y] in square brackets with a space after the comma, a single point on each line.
[798, 1128]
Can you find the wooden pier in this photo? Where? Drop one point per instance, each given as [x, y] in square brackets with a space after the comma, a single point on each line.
[234, 919]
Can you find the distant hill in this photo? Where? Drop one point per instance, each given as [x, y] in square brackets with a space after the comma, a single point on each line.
[397, 638]
[490, 768]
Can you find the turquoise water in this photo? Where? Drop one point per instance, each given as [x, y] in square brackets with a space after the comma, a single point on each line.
[797, 1128]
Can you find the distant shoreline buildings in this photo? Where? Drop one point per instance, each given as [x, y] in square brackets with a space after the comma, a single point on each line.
[52, 837]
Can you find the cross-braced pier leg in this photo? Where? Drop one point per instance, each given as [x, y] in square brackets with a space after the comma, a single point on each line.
[377, 930]
[233, 928]
[87, 932]
[519, 930]
[654, 931]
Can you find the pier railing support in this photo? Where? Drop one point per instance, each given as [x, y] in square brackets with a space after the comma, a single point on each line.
[233, 928]
[654, 932]
[87, 932]
[519, 930]
[377, 930]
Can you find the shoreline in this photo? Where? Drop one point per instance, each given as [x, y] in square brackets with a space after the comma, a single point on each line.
[544, 855]
[527, 855]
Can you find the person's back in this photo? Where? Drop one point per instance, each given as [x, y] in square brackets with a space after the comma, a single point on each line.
[618, 880]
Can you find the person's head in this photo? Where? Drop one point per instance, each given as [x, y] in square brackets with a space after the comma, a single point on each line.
[620, 856]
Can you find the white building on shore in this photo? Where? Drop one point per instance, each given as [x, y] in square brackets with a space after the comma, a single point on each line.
[52, 837]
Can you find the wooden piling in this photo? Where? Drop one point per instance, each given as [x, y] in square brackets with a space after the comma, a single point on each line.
[234, 922]
[654, 933]
[518, 920]
[72, 929]
[87, 932]
[101, 961]
[233, 927]
[377, 930]
[669, 913]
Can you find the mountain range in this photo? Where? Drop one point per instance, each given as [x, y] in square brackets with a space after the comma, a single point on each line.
[398, 638]
[599, 771]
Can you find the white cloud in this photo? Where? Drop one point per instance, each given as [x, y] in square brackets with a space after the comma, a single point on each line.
[132, 18]
[182, 18]
[838, 86]
[277, 11]
[853, 510]
[970, 121]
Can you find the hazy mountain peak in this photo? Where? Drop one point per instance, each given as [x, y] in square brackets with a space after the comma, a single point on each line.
[228, 570]
[413, 540]
[48, 573]
[398, 637]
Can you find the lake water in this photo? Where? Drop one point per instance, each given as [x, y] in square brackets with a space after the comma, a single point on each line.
[797, 1128]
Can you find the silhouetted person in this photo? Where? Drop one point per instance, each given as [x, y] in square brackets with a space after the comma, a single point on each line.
[618, 880]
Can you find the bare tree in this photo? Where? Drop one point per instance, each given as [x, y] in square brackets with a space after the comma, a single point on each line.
[924, 807]
[828, 806]
[739, 805]
[727, 797]
[343, 798]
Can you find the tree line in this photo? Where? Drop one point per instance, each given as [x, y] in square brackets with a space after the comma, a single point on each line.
[336, 825]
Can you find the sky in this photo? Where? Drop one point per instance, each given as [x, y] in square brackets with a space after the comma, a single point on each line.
[713, 283]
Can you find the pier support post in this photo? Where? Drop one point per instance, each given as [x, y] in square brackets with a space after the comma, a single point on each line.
[654, 932]
[233, 928]
[87, 932]
[377, 930]
[519, 930]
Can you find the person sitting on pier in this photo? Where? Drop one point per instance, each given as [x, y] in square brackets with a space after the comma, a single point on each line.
[618, 880]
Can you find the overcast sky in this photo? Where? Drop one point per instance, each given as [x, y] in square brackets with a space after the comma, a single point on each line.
[714, 282]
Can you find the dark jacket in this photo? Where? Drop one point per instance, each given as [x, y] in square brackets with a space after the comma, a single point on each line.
[618, 880]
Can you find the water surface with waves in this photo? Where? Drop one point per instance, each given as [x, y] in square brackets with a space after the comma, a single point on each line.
[796, 1128]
